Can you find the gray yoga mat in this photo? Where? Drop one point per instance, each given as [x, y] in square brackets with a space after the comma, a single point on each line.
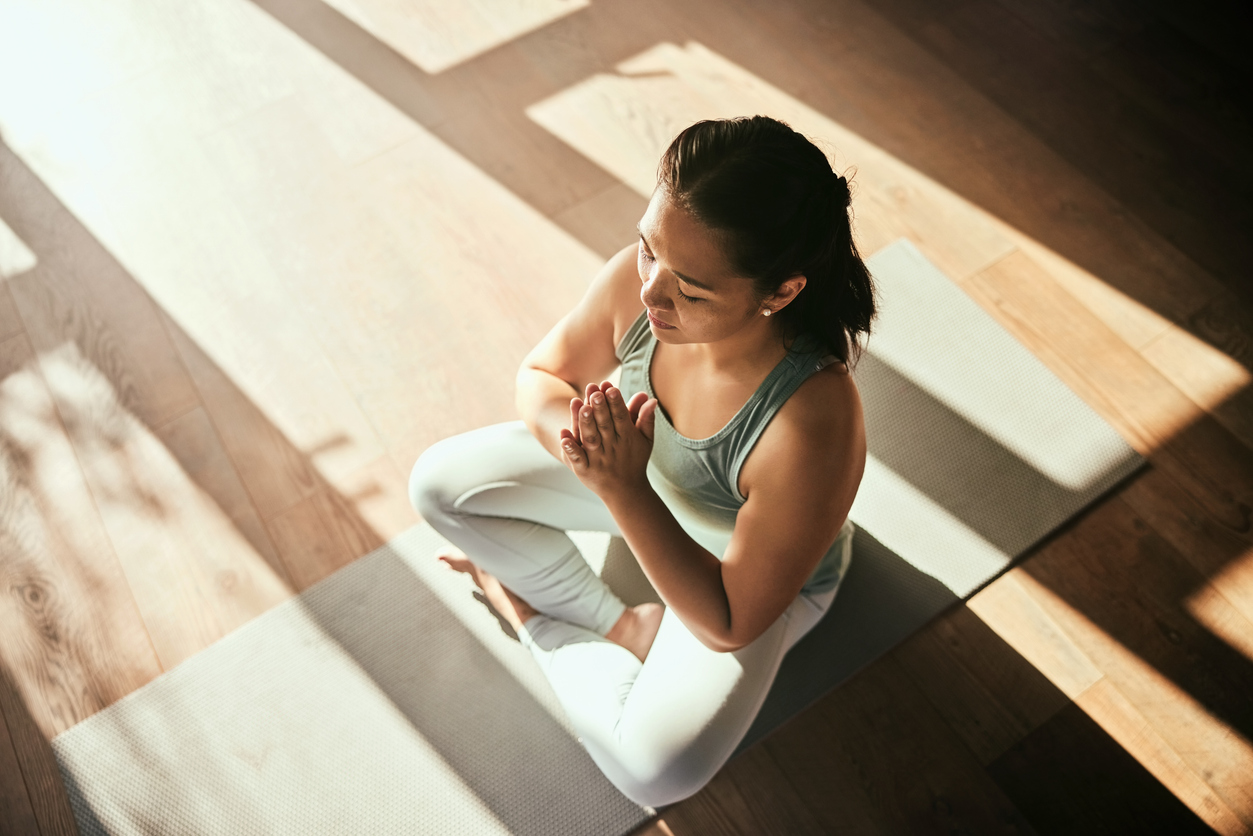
[386, 699]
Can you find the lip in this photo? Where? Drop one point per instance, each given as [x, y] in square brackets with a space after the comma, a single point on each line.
[655, 321]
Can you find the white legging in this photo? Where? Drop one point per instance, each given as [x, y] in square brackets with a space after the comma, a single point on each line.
[660, 729]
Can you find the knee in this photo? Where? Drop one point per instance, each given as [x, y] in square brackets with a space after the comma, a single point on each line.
[432, 488]
[658, 773]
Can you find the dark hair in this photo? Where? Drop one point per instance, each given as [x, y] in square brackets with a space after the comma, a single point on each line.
[781, 210]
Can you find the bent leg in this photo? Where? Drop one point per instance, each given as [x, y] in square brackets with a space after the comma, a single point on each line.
[662, 729]
[500, 497]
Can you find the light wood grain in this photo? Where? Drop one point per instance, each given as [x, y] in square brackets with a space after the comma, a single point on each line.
[73, 640]
[318, 535]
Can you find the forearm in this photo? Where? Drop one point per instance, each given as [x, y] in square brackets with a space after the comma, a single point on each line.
[685, 574]
[543, 402]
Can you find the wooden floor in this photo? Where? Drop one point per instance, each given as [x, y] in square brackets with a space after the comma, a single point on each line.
[255, 257]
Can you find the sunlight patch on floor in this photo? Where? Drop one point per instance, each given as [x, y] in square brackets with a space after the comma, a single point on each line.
[437, 35]
[1172, 735]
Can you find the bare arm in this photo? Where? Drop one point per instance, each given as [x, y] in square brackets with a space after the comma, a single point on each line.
[800, 481]
[578, 351]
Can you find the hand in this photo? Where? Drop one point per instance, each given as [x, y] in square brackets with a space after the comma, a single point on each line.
[610, 441]
[577, 404]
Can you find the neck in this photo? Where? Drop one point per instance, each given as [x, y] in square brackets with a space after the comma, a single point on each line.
[759, 343]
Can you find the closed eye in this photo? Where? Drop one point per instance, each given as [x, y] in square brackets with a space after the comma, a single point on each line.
[647, 256]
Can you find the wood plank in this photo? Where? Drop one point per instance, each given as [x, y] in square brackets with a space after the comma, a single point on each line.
[73, 641]
[998, 54]
[874, 756]
[1216, 551]
[10, 319]
[194, 443]
[1120, 719]
[276, 474]
[1175, 80]
[749, 796]
[989, 695]
[1117, 590]
[1008, 606]
[377, 495]
[16, 813]
[38, 773]
[318, 535]
[656, 827]
[1069, 776]
[1216, 382]
[193, 575]
[79, 293]
[605, 221]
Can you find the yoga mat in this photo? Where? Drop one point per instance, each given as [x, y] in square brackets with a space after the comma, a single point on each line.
[383, 700]
[386, 699]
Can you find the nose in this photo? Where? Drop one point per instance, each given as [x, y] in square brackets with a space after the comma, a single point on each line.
[653, 292]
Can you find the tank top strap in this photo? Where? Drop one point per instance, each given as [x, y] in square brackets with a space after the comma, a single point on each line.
[635, 339]
[805, 358]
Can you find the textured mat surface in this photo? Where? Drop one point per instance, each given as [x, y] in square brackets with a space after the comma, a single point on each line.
[977, 452]
[387, 700]
[383, 700]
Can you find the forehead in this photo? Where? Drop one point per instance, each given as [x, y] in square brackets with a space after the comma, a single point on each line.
[685, 244]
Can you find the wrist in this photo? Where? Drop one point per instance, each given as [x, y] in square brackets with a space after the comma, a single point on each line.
[626, 496]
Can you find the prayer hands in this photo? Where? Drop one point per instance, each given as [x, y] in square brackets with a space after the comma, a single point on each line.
[609, 440]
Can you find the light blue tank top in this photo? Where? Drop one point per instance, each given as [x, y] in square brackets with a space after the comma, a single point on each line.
[698, 478]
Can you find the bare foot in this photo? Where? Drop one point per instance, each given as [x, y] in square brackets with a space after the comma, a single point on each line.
[510, 606]
[637, 628]
[634, 630]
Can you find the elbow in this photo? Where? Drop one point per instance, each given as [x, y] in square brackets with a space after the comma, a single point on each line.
[723, 646]
[725, 642]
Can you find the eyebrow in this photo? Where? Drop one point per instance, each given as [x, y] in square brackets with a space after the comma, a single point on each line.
[687, 279]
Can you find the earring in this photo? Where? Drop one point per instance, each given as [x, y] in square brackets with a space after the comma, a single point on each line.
[766, 312]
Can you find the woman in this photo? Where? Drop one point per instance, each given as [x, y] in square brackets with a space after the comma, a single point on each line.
[728, 457]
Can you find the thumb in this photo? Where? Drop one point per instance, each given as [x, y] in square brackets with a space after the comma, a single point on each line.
[575, 456]
[647, 421]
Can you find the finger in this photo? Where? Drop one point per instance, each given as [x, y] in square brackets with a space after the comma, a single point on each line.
[637, 400]
[592, 388]
[622, 417]
[604, 419]
[647, 421]
[589, 434]
[575, 405]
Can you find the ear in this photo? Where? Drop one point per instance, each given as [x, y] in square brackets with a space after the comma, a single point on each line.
[787, 291]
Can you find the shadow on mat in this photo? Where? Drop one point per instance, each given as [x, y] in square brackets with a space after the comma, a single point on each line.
[882, 600]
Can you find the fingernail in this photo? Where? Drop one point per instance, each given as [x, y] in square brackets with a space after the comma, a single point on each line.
[615, 394]
[598, 398]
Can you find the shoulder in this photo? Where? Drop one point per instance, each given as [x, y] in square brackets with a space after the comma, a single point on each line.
[622, 291]
[817, 438]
